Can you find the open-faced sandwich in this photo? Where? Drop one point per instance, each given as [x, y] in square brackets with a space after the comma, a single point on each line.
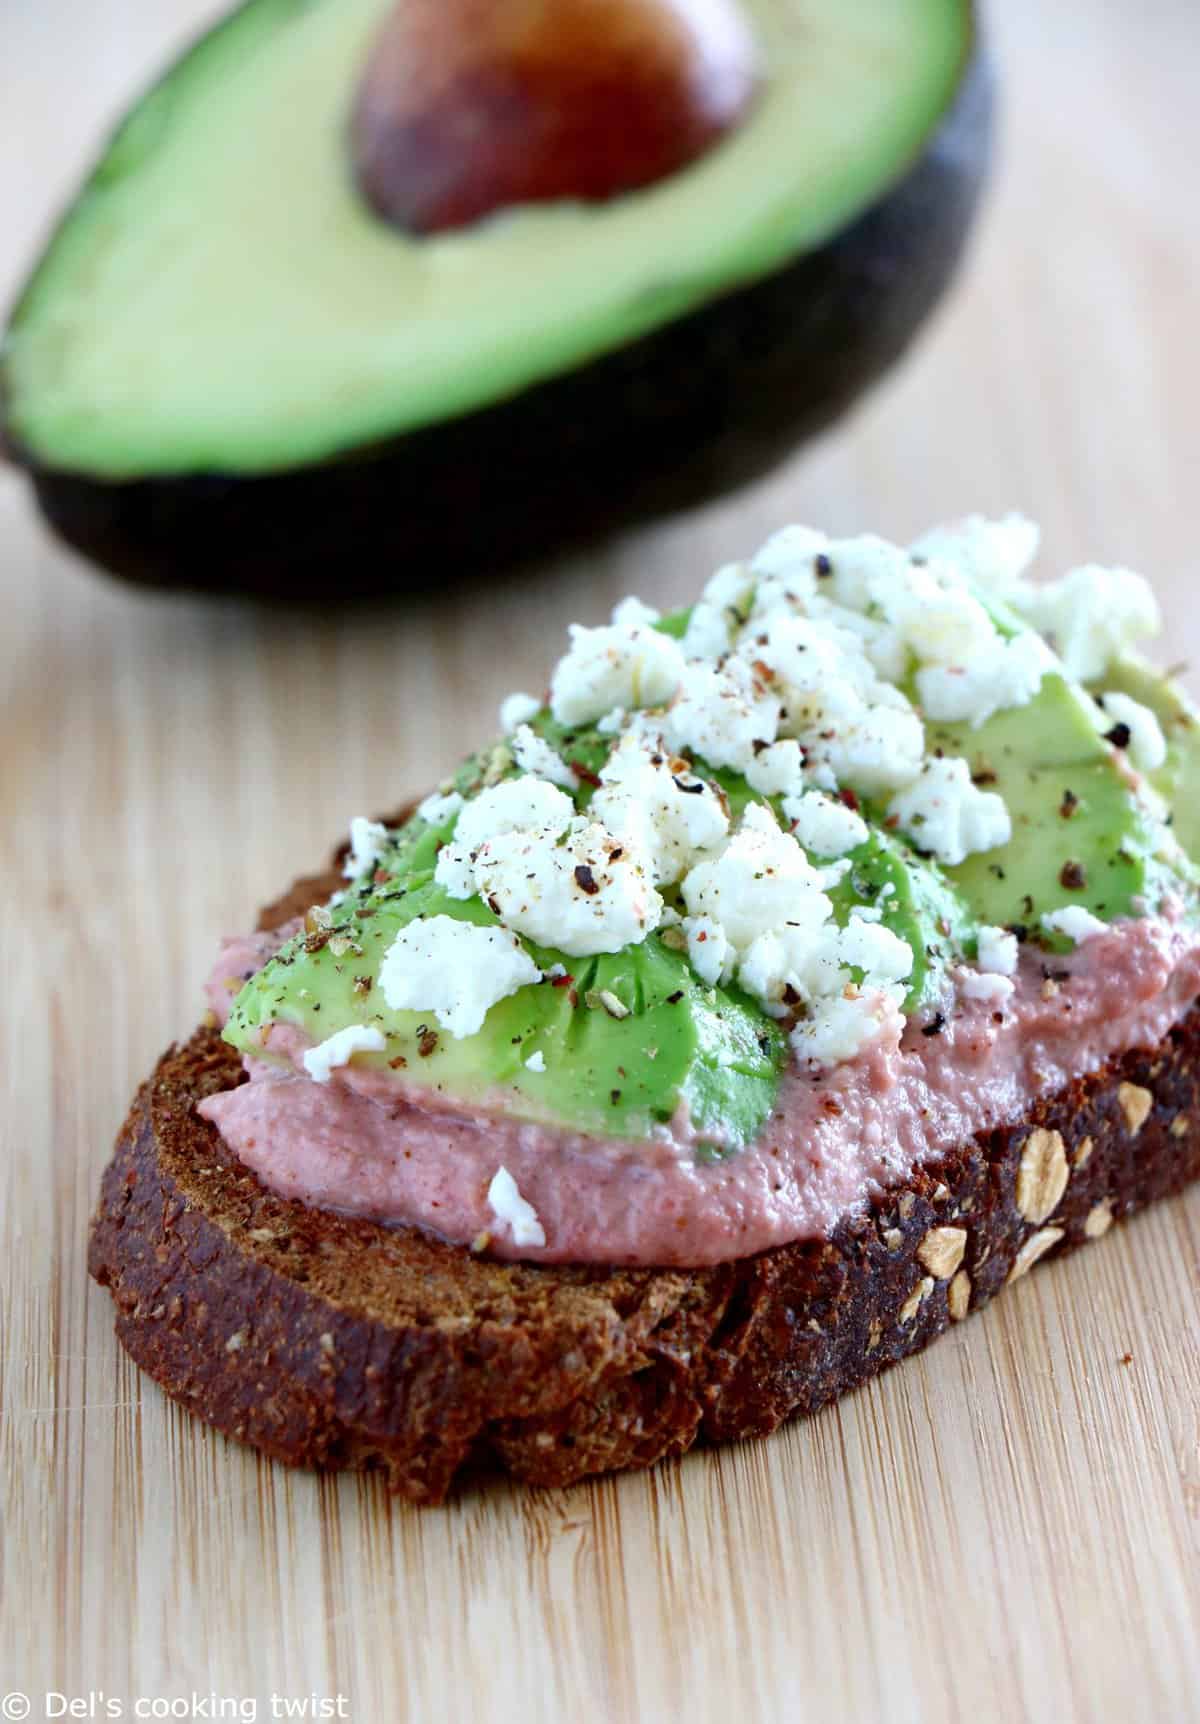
[808, 966]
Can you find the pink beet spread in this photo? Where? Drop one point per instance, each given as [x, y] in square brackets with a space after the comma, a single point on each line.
[359, 1146]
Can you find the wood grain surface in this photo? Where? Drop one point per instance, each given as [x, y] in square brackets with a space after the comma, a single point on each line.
[1006, 1529]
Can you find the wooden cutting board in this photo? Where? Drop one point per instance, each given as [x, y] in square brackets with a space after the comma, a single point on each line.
[1005, 1529]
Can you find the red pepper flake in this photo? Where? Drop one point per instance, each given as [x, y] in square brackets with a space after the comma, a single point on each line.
[848, 797]
[1068, 805]
[586, 880]
[398, 1063]
[1073, 876]
[563, 981]
[427, 1041]
[585, 773]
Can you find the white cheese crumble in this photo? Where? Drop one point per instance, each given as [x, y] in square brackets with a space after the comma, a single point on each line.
[1075, 922]
[632, 611]
[997, 951]
[658, 806]
[439, 807]
[723, 715]
[948, 816]
[454, 970]
[510, 806]
[761, 880]
[338, 1049]
[517, 709]
[368, 839]
[1091, 615]
[996, 554]
[622, 665]
[982, 985]
[843, 1028]
[536, 1062]
[778, 769]
[708, 949]
[824, 826]
[1147, 744]
[583, 891]
[534, 754]
[708, 632]
[512, 1211]
[1008, 674]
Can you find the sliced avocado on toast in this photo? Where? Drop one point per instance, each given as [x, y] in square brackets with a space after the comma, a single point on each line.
[229, 370]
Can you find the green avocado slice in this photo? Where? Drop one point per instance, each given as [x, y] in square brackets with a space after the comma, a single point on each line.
[1081, 836]
[623, 1041]
[220, 298]
[1178, 779]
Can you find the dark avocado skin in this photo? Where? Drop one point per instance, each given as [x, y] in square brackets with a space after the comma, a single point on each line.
[695, 409]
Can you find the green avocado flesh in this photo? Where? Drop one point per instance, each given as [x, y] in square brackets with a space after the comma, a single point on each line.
[1079, 834]
[219, 297]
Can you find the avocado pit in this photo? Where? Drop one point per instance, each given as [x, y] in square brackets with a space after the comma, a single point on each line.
[468, 107]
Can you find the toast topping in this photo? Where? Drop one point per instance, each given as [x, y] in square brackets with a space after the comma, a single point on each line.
[766, 839]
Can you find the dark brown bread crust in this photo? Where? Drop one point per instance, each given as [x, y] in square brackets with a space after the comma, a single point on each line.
[337, 1342]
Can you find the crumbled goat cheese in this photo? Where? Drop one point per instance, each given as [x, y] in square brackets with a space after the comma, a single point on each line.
[534, 754]
[368, 840]
[708, 948]
[845, 715]
[584, 892]
[981, 985]
[613, 723]
[824, 826]
[337, 1049]
[512, 1211]
[843, 1027]
[455, 970]
[439, 807]
[708, 632]
[790, 556]
[722, 715]
[632, 612]
[1147, 744]
[996, 554]
[1091, 615]
[777, 770]
[939, 621]
[1009, 674]
[657, 806]
[517, 709]
[1075, 922]
[997, 951]
[623, 665]
[506, 807]
[536, 1062]
[760, 880]
[948, 816]
[730, 589]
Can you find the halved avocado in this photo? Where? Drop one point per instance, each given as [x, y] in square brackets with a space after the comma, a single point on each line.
[227, 371]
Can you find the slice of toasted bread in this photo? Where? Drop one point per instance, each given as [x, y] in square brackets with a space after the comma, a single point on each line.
[337, 1342]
